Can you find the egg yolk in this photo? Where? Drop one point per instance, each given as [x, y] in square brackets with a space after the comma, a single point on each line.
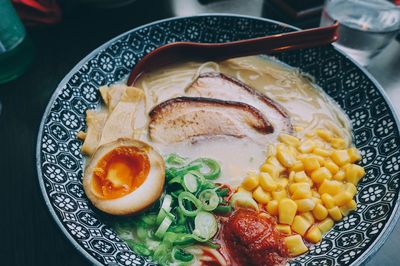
[120, 172]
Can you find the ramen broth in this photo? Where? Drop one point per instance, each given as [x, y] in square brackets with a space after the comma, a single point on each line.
[307, 106]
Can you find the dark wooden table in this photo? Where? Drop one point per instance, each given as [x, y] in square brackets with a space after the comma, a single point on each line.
[29, 236]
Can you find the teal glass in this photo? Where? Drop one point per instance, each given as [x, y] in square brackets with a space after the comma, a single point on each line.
[16, 50]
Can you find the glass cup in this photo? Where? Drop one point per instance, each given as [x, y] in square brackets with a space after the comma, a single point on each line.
[365, 26]
[16, 50]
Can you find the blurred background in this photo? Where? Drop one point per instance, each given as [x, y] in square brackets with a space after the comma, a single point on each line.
[58, 35]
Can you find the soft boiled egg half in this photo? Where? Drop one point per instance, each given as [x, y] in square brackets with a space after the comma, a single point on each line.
[124, 177]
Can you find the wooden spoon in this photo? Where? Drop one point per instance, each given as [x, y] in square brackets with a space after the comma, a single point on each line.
[179, 51]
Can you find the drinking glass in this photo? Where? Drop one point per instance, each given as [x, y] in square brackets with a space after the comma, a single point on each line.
[365, 26]
[16, 51]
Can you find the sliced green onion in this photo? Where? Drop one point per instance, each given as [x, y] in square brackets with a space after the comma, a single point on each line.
[176, 179]
[212, 245]
[176, 193]
[141, 232]
[223, 192]
[209, 199]
[207, 185]
[162, 229]
[174, 160]
[181, 216]
[223, 209]
[182, 255]
[190, 182]
[164, 209]
[170, 237]
[209, 168]
[184, 239]
[163, 253]
[206, 226]
[177, 229]
[192, 199]
[149, 219]
[141, 249]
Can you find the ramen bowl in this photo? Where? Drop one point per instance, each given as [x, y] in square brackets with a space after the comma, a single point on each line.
[375, 132]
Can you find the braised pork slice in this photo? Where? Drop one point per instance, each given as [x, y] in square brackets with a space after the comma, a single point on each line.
[219, 86]
[185, 118]
[95, 122]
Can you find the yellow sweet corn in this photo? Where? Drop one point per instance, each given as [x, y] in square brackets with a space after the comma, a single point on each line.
[324, 134]
[297, 167]
[272, 207]
[317, 200]
[309, 134]
[272, 170]
[328, 201]
[286, 157]
[310, 163]
[242, 189]
[273, 161]
[305, 205]
[342, 198]
[354, 173]
[354, 154]
[289, 140]
[319, 175]
[295, 245]
[261, 196]
[309, 217]
[348, 207]
[301, 177]
[307, 146]
[267, 182]
[250, 182]
[287, 210]
[340, 157]
[332, 187]
[335, 213]
[322, 152]
[282, 182]
[340, 175]
[314, 235]
[332, 167]
[320, 212]
[325, 225]
[295, 186]
[280, 194]
[300, 225]
[352, 189]
[338, 143]
[284, 229]
[301, 193]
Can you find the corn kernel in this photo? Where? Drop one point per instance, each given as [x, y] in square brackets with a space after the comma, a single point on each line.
[273, 161]
[352, 189]
[291, 176]
[324, 134]
[354, 173]
[322, 152]
[272, 207]
[317, 200]
[267, 182]
[335, 213]
[301, 177]
[340, 157]
[300, 225]
[309, 134]
[284, 229]
[340, 175]
[285, 157]
[272, 170]
[328, 201]
[348, 207]
[311, 164]
[305, 205]
[320, 212]
[281, 182]
[250, 182]
[320, 159]
[325, 225]
[295, 186]
[354, 154]
[338, 143]
[332, 167]
[295, 245]
[287, 210]
[242, 189]
[332, 187]
[280, 194]
[319, 175]
[307, 146]
[289, 140]
[314, 235]
[301, 193]
[309, 217]
[342, 198]
[261, 196]
[297, 167]
[315, 194]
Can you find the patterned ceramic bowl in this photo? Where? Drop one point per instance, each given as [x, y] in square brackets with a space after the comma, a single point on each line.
[376, 133]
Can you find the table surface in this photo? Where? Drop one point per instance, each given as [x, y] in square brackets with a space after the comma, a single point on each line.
[29, 234]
